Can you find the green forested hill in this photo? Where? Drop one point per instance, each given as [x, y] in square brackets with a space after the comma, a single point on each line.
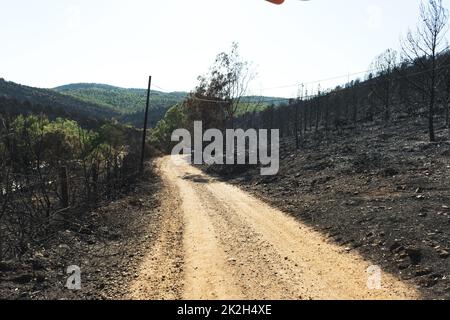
[88, 103]
[129, 102]
[20, 99]
[121, 99]
[132, 101]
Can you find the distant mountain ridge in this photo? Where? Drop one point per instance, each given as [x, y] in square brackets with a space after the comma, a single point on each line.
[90, 102]
[121, 99]
[21, 99]
[130, 103]
[134, 99]
[84, 85]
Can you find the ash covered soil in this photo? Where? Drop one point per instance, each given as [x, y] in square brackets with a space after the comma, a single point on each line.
[107, 242]
[382, 191]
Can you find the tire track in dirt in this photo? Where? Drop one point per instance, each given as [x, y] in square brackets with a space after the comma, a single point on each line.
[206, 273]
[253, 262]
[318, 268]
[161, 273]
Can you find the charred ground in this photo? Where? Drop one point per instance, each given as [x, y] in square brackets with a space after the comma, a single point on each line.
[107, 241]
[380, 189]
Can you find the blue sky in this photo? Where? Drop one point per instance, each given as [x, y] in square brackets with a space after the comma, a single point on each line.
[48, 43]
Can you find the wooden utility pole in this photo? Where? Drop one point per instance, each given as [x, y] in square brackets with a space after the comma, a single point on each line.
[144, 134]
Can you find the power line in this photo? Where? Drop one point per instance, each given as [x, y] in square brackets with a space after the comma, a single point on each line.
[273, 100]
[322, 80]
[158, 87]
[208, 100]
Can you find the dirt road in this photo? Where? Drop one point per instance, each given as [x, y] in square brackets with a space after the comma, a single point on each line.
[219, 242]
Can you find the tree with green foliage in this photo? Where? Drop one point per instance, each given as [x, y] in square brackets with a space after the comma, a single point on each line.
[219, 95]
[160, 136]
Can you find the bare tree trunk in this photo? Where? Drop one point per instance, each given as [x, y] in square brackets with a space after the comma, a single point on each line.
[297, 142]
[387, 114]
[317, 115]
[432, 98]
[310, 117]
[95, 182]
[426, 45]
[305, 120]
[447, 115]
[64, 185]
[431, 110]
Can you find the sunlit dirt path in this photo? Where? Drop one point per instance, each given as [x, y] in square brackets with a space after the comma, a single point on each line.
[233, 246]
